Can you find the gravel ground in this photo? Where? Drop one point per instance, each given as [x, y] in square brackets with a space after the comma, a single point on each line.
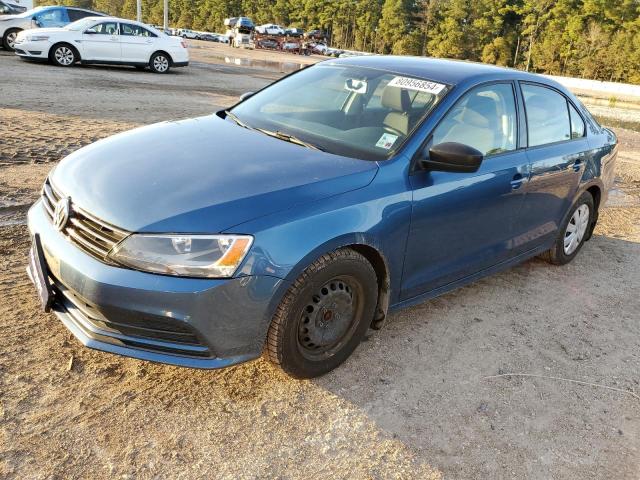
[412, 402]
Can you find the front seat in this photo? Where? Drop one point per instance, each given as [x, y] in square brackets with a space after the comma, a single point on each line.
[397, 99]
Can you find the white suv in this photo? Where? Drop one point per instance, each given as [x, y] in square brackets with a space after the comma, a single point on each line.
[105, 40]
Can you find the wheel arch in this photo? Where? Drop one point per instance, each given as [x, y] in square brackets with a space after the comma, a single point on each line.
[163, 52]
[367, 247]
[73, 47]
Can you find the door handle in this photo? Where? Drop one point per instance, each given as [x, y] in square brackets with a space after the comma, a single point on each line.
[114, 39]
[517, 181]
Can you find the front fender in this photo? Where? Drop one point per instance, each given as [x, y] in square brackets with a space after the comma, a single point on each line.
[375, 216]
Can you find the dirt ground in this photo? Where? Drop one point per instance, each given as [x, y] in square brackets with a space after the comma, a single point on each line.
[413, 401]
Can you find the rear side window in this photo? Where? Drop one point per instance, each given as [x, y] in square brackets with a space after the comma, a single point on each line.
[485, 119]
[547, 115]
[135, 30]
[577, 124]
[78, 14]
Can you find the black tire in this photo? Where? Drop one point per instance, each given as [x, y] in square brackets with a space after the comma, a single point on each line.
[335, 296]
[63, 55]
[160, 62]
[9, 37]
[558, 255]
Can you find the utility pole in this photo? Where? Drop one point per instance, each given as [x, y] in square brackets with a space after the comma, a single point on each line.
[139, 11]
[166, 14]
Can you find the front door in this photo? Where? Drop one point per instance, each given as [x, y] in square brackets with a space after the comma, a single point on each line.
[101, 43]
[462, 223]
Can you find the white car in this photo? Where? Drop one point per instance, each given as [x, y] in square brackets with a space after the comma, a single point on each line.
[107, 40]
[270, 29]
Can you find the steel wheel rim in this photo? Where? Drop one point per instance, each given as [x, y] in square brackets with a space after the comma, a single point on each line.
[64, 56]
[11, 39]
[160, 63]
[576, 228]
[330, 317]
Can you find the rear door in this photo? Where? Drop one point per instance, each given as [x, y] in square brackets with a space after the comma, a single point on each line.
[101, 43]
[557, 150]
[137, 43]
[462, 223]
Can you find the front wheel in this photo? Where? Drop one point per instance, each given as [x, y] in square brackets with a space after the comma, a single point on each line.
[573, 232]
[63, 56]
[159, 63]
[324, 315]
[9, 39]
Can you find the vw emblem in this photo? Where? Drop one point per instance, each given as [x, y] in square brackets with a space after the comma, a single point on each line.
[61, 213]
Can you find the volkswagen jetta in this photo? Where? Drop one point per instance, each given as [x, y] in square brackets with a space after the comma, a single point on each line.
[294, 221]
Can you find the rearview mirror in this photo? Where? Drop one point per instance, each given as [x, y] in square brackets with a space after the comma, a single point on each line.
[245, 95]
[453, 157]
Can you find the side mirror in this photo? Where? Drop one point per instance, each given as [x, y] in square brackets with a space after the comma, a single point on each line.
[90, 32]
[453, 157]
[246, 95]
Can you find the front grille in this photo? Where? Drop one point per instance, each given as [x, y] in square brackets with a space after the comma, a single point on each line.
[140, 331]
[87, 232]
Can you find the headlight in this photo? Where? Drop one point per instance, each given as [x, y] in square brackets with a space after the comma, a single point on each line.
[211, 256]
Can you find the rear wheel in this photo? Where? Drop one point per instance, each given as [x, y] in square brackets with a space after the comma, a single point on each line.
[160, 63]
[9, 39]
[573, 232]
[324, 315]
[63, 55]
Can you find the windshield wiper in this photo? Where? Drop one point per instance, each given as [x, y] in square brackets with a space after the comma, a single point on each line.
[277, 134]
[289, 138]
[233, 117]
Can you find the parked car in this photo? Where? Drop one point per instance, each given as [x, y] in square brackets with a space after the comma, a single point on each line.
[106, 40]
[8, 8]
[209, 37]
[318, 35]
[268, 43]
[319, 48]
[186, 33]
[39, 17]
[294, 32]
[296, 220]
[270, 29]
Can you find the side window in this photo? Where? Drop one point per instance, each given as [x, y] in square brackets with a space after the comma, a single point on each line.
[547, 115]
[134, 30]
[106, 28]
[77, 14]
[484, 118]
[577, 124]
[53, 17]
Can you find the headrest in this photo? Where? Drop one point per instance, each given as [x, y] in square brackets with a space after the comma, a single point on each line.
[396, 99]
[479, 111]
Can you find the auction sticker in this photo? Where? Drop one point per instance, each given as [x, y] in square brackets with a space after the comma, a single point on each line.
[417, 84]
[387, 140]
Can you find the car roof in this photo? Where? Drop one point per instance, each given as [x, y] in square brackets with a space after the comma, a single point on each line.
[451, 72]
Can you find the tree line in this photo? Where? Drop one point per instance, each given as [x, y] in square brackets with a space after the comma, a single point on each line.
[597, 39]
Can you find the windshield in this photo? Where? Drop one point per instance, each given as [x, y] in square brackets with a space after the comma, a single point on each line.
[352, 111]
[80, 24]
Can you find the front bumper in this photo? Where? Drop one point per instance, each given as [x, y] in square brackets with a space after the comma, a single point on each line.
[32, 49]
[201, 323]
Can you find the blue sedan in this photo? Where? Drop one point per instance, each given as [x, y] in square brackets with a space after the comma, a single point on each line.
[294, 221]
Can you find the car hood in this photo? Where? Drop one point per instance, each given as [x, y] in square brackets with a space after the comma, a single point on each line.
[202, 175]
